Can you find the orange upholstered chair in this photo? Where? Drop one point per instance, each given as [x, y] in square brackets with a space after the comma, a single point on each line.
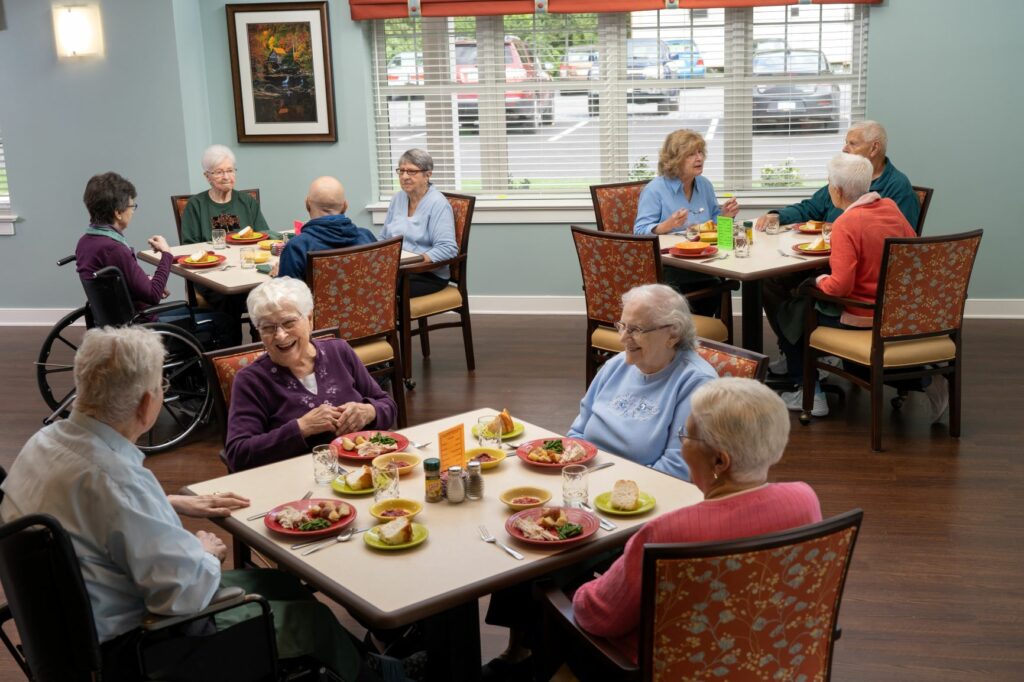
[615, 205]
[760, 608]
[730, 361]
[924, 197]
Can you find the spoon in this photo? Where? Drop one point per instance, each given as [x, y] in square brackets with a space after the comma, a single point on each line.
[345, 536]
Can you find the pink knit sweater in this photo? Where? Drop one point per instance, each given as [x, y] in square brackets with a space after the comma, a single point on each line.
[610, 605]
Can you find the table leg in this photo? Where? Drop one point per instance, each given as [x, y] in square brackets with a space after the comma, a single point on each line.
[753, 327]
[453, 644]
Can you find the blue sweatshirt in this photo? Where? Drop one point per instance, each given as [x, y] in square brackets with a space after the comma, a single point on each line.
[319, 234]
[638, 416]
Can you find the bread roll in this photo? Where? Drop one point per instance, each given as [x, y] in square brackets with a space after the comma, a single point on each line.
[397, 532]
[626, 495]
[360, 479]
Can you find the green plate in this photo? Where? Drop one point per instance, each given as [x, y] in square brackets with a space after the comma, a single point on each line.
[604, 503]
[338, 485]
[516, 431]
[419, 534]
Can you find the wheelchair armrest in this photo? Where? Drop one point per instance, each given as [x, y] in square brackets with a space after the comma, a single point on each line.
[223, 599]
[557, 605]
[163, 308]
[809, 289]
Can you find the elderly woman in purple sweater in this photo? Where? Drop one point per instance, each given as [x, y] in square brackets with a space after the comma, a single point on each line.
[302, 392]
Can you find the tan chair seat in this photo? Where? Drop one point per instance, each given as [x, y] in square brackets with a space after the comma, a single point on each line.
[606, 338]
[711, 328]
[437, 302]
[374, 352]
[855, 345]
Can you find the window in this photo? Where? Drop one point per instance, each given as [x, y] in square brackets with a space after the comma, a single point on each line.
[545, 105]
[5, 196]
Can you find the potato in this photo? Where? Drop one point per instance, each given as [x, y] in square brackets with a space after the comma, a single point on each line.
[333, 516]
[348, 444]
[362, 439]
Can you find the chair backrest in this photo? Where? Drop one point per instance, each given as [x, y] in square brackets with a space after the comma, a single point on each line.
[615, 205]
[924, 198]
[922, 286]
[612, 264]
[46, 594]
[178, 202]
[110, 302]
[462, 208]
[356, 289]
[760, 608]
[731, 361]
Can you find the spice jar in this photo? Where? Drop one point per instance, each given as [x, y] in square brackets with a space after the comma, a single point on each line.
[432, 469]
[475, 481]
[456, 485]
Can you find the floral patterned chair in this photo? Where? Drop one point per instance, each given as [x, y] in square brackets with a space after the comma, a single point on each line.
[760, 608]
[355, 291]
[924, 198]
[612, 264]
[452, 299]
[916, 331]
[730, 361]
[615, 205]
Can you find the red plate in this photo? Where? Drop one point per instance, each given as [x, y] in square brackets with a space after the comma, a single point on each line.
[400, 441]
[711, 250]
[270, 520]
[802, 227]
[183, 262]
[586, 519]
[823, 252]
[256, 237]
[589, 449]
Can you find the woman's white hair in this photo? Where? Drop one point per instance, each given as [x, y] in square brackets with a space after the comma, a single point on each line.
[114, 367]
[850, 174]
[666, 306]
[215, 154]
[873, 131]
[744, 418]
[278, 295]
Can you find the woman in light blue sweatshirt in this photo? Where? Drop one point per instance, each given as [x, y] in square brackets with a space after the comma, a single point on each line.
[640, 399]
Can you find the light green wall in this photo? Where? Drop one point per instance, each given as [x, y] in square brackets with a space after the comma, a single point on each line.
[943, 78]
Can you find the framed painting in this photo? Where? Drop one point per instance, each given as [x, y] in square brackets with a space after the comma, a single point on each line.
[281, 72]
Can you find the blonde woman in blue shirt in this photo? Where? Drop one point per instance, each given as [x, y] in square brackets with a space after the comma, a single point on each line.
[640, 399]
[422, 216]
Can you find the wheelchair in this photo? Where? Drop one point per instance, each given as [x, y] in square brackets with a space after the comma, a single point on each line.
[187, 403]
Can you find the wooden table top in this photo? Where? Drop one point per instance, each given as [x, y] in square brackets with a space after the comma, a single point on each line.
[764, 261]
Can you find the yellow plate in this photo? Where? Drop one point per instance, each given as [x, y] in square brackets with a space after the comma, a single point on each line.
[516, 431]
[411, 506]
[498, 456]
[604, 503]
[338, 485]
[419, 534]
[410, 459]
[523, 491]
[267, 244]
[261, 257]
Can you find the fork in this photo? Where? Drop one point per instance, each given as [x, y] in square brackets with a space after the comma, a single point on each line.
[308, 495]
[487, 537]
[790, 255]
[419, 445]
[722, 256]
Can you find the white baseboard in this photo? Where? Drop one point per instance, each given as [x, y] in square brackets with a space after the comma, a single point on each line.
[978, 308]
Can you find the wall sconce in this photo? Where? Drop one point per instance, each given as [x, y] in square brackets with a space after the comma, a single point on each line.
[78, 30]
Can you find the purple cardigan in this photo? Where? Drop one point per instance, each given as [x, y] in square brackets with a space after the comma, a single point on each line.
[267, 401]
[94, 252]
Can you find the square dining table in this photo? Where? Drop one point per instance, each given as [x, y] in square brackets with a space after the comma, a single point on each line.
[765, 261]
[441, 579]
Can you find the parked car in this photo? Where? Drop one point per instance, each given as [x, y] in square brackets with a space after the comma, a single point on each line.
[577, 63]
[781, 106]
[521, 67]
[646, 59]
[405, 68]
[684, 58]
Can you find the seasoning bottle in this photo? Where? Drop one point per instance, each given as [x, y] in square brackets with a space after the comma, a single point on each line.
[475, 482]
[432, 469]
[456, 485]
[748, 227]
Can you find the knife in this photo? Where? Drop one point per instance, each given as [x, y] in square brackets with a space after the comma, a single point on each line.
[598, 467]
[605, 523]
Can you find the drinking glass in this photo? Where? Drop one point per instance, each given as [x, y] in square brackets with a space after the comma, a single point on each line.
[247, 254]
[740, 245]
[323, 464]
[486, 435]
[693, 232]
[773, 227]
[218, 237]
[385, 481]
[574, 486]
[826, 232]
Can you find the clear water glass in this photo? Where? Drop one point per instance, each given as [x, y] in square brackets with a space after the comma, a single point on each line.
[574, 486]
[826, 232]
[323, 464]
[740, 245]
[218, 237]
[247, 255]
[385, 481]
[486, 435]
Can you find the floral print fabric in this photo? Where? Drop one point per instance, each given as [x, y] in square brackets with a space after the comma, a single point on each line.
[617, 206]
[611, 267]
[356, 292]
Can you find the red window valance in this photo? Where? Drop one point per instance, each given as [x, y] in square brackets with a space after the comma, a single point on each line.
[396, 9]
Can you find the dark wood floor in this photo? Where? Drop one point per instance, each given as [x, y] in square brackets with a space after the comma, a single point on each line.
[936, 589]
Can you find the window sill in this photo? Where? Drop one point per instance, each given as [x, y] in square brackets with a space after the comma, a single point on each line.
[7, 224]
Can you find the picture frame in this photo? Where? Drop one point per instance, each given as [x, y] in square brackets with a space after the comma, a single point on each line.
[281, 72]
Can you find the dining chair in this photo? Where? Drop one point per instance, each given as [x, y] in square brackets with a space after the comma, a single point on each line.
[924, 198]
[916, 326]
[355, 291]
[178, 202]
[612, 264]
[759, 608]
[454, 298]
[732, 361]
[615, 205]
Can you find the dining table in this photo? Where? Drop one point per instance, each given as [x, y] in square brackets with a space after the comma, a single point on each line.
[771, 255]
[440, 580]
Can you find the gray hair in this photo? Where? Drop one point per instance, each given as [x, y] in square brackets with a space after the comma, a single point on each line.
[215, 154]
[667, 307]
[744, 418]
[850, 174]
[419, 158]
[873, 131]
[277, 295]
[114, 368]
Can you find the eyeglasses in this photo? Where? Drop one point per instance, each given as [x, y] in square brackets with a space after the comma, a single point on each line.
[683, 435]
[134, 207]
[222, 173]
[409, 171]
[629, 330]
[165, 385]
[270, 329]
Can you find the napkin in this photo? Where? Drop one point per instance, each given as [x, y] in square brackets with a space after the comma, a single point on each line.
[264, 268]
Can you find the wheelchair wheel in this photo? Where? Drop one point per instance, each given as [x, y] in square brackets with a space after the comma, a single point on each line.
[55, 364]
[188, 401]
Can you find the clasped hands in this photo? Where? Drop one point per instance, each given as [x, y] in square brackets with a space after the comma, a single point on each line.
[339, 420]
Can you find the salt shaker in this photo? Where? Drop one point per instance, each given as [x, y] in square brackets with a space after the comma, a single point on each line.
[456, 485]
[475, 483]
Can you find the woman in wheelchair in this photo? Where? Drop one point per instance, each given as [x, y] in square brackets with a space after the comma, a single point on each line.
[111, 202]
